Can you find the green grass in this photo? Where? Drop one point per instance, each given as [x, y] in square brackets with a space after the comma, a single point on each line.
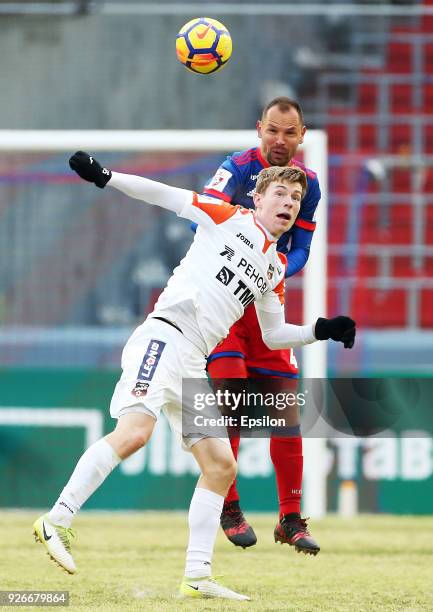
[135, 562]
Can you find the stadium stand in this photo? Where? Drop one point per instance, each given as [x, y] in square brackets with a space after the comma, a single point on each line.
[381, 214]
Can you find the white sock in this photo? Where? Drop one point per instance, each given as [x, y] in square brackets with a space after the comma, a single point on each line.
[203, 519]
[90, 472]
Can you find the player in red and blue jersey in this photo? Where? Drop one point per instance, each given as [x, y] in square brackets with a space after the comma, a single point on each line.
[243, 354]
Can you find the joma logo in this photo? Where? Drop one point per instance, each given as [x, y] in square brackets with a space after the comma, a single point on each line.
[245, 240]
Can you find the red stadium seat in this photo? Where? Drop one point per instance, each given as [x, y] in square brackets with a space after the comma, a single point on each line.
[427, 20]
[427, 97]
[401, 98]
[333, 300]
[400, 138]
[368, 219]
[337, 223]
[384, 226]
[426, 308]
[399, 57]
[428, 224]
[401, 180]
[428, 57]
[401, 216]
[368, 266]
[335, 265]
[367, 98]
[393, 224]
[379, 308]
[342, 179]
[402, 266]
[428, 138]
[428, 266]
[367, 138]
[428, 180]
[337, 138]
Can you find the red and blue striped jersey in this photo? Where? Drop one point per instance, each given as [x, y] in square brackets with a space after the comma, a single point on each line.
[235, 181]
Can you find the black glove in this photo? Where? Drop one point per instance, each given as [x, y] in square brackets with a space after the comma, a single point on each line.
[340, 329]
[89, 169]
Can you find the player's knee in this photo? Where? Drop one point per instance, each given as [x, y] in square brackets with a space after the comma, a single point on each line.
[224, 470]
[232, 469]
[138, 437]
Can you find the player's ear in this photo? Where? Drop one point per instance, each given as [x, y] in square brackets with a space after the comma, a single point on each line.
[256, 199]
[304, 129]
[259, 128]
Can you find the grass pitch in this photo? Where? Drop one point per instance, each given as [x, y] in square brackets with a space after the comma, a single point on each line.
[135, 562]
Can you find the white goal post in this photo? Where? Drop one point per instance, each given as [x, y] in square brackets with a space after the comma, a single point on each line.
[314, 283]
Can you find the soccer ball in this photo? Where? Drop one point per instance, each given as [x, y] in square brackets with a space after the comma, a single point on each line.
[203, 45]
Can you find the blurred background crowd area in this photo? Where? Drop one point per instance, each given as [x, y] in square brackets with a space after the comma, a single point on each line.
[80, 267]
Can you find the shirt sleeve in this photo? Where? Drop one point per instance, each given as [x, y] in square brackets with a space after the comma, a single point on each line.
[276, 333]
[187, 204]
[207, 211]
[299, 250]
[152, 192]
[225, 181]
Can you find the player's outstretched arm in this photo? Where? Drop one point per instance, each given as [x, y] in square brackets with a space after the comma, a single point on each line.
[341, 329]
[152, 192]
[277, 334]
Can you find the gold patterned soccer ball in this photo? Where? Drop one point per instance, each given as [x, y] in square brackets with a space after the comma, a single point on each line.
[203, 45]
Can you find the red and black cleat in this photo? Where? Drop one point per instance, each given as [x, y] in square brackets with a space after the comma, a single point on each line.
[235, 526]
[295, 533]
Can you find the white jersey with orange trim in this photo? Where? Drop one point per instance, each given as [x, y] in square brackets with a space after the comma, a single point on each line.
[232, 262]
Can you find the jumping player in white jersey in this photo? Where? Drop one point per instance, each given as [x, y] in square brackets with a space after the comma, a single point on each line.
[232, 262]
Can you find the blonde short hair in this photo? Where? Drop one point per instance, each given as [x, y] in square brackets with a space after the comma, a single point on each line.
[281, 174]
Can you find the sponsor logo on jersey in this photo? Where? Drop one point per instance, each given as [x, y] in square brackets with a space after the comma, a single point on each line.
[244, 295]
[250, 271]
[225, 276]
[254, 177]
[148, 366]
[228, 252]
[140, 388]
[270, 272]
[241, 291]
[219, 180]
[245, 240]
[251, 193]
